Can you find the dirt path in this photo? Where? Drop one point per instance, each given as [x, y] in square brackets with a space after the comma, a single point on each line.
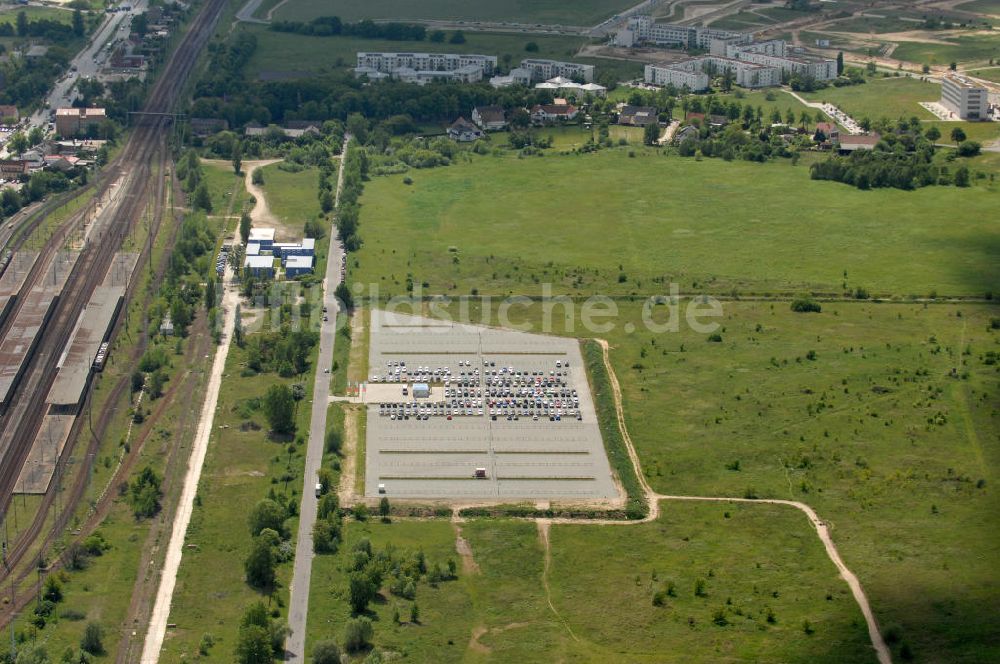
[469, 564]
[346, 490]
[543, 536]
[261, 212]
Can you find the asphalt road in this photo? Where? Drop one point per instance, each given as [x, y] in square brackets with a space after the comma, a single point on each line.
[298, 606]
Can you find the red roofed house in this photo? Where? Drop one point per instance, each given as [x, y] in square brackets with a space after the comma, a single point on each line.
[850, 143]
[830, 130]
[549, 113]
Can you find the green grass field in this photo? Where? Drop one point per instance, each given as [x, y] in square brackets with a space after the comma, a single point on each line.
[960, 49]
[990, 74]
[981, 6]
[292, 197]
[500, 612]
[583, 12]
[277, 51]
[579, 221]
[37, 13]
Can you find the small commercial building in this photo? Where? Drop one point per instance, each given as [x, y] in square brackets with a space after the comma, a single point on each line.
[282, 250]
[261, 267]
[296, 266]
[421, 391]
[264, 237]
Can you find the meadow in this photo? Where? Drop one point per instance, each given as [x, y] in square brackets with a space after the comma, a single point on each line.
[278, 51]
[614, 224]
[498, 608]
[958, 49]
[990, 74]
[981, 6]
[583, 12]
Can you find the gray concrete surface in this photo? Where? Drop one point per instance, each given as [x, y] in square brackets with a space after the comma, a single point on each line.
[436, 458]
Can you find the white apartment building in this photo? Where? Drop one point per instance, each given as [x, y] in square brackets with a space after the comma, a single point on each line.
[642, 29]
[695, 79]
[775, 54]
[543, 70]
[697, 73]
[964, 98]
[424, 67]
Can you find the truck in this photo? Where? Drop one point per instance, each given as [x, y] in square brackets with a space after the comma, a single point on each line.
[319, 489]
[480, 474]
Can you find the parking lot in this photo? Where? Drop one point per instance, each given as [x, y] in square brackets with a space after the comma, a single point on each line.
[507, 415]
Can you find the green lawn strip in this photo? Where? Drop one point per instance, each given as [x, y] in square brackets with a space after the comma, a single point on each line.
[341, 354]
[228, 193]
[990, 74]
[582, 222]
[584, 12]
[752, 559]
[614, 445]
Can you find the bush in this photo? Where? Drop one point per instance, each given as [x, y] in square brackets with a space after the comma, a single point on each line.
[806, 305]
[968, 149]
[92, 640]
[326, 652]
[358, 634]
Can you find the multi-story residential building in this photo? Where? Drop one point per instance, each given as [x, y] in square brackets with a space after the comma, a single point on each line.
[73, 121]
[775, 53]
[964, 98]
[425, 67]
[643, 30]
[696, 73]
[543, 70]
[678, 76]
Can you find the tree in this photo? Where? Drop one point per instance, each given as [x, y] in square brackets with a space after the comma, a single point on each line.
[78, 26]
[361, 590]
[237, 157]
[257, 177]
[144, 493]
[962, 177]
[245, 224]
[953, 66]
[414, 613]
[457, 37]
[926, 69]
[138, 380]
[22, 24]
[260, 564]
[326, 652]
[384, 507]
[531, 47]
[92, 640]
[651, 134]
[267, 514]
[254, 646]
[343, 293]
[18, 143]
[968, 149]
[932, 133]
[437, 37]
[957, 135]
[279, 408]
[840, 63]
[202, 199]
[357, 633]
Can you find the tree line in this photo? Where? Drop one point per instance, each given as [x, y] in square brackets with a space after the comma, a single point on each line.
[330, 26]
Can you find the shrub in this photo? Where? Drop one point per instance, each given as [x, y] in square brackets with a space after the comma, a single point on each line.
[806, 305]
[358, 634]
[92, 640]
[715, 337]
[326, 652]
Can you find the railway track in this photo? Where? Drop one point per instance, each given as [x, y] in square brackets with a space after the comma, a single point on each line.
[27, 406]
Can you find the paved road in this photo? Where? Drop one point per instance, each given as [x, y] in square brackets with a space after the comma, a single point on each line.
[298, 606]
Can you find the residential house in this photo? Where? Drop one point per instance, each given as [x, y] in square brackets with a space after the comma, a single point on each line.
[829, 130]
[551, 113]
[686, 133]
[850, 143]
[463, 131]
[489, 118]
[637, 116]
[203, 127]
